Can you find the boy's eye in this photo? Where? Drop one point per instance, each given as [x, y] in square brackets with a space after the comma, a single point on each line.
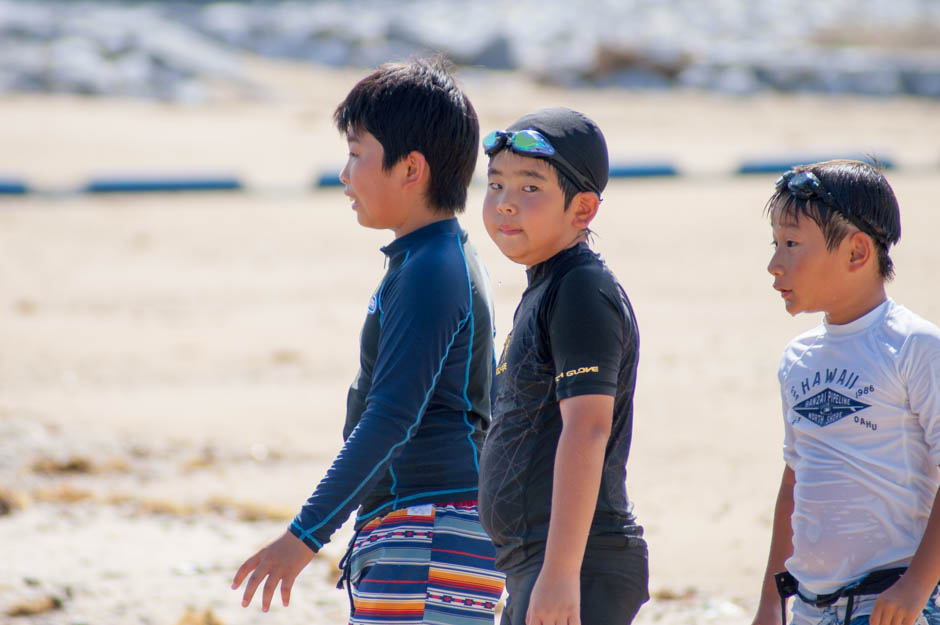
[790, 243]
[530, 188]
[495, 186]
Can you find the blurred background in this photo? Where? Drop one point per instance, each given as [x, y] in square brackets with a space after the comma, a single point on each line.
[174, 365]
[188, 51]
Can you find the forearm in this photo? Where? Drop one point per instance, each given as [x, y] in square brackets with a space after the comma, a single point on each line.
[902, 603]
[361, 463]
[781, 542]
[579, 461]
[925, 565]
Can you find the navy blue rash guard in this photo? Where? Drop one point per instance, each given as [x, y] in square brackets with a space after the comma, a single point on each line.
[417, 410]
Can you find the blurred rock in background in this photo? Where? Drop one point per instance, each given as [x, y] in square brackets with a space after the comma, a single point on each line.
[189, 51]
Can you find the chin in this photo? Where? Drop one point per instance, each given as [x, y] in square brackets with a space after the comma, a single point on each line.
[510, 254]
[794, 310]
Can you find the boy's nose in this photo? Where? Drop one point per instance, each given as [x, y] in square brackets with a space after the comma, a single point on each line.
[773, 267]
[506, 208]
[344, 175]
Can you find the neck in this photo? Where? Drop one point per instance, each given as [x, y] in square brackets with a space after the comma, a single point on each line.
[581, 236]
[850, 309]
[418, 220]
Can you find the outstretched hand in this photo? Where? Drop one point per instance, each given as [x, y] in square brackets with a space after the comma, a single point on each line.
[279, 562]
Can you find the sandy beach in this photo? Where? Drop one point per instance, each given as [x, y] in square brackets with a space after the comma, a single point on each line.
[173, 368]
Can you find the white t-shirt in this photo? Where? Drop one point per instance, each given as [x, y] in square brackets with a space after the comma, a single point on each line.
[861, 405]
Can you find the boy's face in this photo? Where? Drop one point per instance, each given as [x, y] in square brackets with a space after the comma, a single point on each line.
[805, 272]
[524, 209]
[370, 187]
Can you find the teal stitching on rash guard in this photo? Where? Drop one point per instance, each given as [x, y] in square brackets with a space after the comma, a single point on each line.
[476, 463]
[302, 536]
[309, 532]
[466, 380]
[382, 289]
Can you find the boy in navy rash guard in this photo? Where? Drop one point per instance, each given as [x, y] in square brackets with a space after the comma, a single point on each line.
[552, 492]
[419, 405]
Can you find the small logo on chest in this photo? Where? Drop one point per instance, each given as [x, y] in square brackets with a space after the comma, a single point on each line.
[827, 407]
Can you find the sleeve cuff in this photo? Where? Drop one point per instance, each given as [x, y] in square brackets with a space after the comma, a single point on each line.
[307, 539]
[596, 388]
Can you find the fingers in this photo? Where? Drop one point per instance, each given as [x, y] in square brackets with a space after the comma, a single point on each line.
[253, 582]
[244, 569]
[903, 617]
[268, 592]
[278, 563]
[271, 579]
[286, 584]
[552, 619]
[889, 613]
[270, 585]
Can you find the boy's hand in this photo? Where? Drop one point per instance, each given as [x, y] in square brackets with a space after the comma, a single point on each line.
[901, 604]
[281, 561]
[555, 600]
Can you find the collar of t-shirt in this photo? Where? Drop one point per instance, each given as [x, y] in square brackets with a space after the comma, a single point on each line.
[864, 322]
[545, 268]
[400, 246]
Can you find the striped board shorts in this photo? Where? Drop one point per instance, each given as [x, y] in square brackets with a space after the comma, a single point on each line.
[430, 564]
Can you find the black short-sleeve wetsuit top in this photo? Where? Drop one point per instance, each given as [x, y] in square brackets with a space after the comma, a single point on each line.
[573, 334]
[418, 407]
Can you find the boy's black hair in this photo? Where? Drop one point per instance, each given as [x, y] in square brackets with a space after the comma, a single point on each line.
[568, 187]
[849, 194]
[417, 106]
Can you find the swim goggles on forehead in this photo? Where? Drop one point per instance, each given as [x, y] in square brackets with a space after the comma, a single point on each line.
[530, 142]
[805, 185]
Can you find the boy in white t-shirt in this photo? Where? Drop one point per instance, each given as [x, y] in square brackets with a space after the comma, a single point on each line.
[856, 534]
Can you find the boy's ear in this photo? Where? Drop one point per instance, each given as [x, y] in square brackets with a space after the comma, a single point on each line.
[415, 169]
[861, 250]
[583, 209]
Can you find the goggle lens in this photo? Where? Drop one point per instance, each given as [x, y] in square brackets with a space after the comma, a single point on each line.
[532, 142]
[524, 141]
[805, 186]
[493, 140]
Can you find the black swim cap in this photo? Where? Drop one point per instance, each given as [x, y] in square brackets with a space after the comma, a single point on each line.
[577, 139]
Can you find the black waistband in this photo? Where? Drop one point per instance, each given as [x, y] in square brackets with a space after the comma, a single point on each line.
[874, 583]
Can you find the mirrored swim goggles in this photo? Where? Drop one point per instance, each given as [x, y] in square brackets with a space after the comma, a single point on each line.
[530, 142]
[805, 185]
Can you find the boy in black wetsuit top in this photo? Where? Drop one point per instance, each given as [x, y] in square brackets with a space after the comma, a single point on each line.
[553, 469]
[418, 407]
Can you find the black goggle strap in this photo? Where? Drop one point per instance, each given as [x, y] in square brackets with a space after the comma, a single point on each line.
[537, 146]
[805, 185]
